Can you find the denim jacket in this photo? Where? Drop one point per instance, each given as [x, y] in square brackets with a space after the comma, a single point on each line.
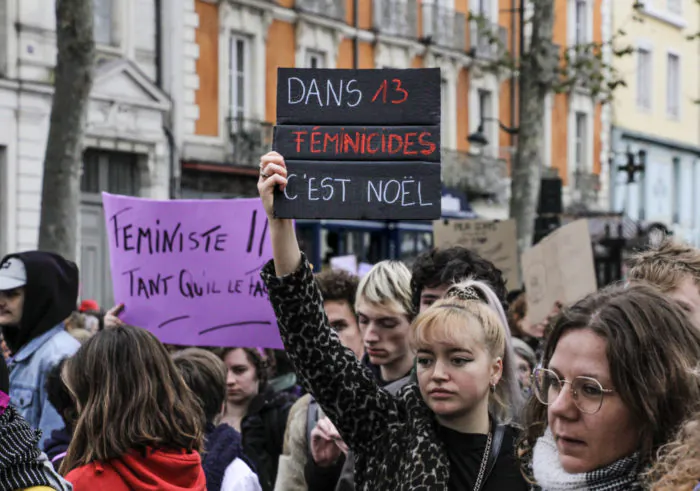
[28, 371]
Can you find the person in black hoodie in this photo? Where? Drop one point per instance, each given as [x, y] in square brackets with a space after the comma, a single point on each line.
[38, 292]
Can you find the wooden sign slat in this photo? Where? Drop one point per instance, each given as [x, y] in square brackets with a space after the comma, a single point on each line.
[337, 97]
[358, 142]
[360, 190]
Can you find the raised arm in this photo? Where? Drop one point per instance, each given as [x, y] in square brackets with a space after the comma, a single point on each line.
[346, 391]
[285, 249]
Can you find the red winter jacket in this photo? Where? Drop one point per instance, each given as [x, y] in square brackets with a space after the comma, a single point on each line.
[159, 470]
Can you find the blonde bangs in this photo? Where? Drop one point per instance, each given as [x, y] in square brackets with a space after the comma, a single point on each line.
[458, 323]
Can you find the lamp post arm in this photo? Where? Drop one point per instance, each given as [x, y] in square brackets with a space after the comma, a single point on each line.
[507, 129]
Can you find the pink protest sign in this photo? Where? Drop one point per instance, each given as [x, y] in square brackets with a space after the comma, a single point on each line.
[189, 270]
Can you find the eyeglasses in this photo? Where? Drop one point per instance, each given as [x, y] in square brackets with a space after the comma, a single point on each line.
[587, 392]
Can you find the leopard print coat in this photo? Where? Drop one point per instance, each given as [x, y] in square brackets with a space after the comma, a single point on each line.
[394, 437]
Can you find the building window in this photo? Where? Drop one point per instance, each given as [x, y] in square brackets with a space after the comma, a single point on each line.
[113, 172]
[4, 205]
[644, 76]
[580, 154]
[641, 201]
[581, 19]
[673, 88]
[486, 116]
[483, 8]
[239, 78]
[675, 6]
[102, 18]
[444, 104]
[315, 59]
[696, 197]
[677, 190]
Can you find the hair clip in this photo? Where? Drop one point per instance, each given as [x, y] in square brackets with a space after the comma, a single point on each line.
[468, 293]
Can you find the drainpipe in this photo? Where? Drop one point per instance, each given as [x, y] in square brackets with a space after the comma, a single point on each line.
[356, 41]
[513, 49]
[174, 190]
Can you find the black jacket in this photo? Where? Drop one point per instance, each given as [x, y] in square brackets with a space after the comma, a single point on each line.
[263, 433]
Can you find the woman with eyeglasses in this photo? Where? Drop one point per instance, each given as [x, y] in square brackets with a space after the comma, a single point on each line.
[617, 379]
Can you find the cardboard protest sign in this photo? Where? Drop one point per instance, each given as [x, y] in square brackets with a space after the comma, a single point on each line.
[492, 240]
[188, 270]
[363, 269]
[559, 268]
[370, 138]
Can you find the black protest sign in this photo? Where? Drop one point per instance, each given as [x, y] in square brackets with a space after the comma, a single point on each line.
[340, 97]
[359, 144]
[360, 190]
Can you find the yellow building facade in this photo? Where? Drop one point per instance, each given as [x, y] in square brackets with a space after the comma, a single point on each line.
[656, 117]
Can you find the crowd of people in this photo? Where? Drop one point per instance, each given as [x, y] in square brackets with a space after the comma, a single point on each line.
[428, 377]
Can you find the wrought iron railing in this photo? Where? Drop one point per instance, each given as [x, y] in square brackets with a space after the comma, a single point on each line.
[335, 9]
[488, 40]
[396, 17]
[478, 175]
[249, 139]
[585, 188]
[444, 27]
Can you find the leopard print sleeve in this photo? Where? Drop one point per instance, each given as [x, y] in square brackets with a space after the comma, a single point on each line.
[345, 390]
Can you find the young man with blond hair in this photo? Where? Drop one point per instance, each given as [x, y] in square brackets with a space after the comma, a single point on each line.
[674, 268]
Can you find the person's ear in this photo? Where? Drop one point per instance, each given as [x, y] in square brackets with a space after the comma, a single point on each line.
[496, 370]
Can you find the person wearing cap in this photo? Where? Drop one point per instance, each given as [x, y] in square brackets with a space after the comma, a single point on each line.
[23, 467]
[38, 292]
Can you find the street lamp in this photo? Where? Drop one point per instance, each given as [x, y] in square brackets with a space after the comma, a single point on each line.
[479, 139]
[630, 167]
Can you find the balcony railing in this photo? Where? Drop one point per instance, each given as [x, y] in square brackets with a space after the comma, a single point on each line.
[444, 27]
[478, 175]
[586, 186]
[396, 17]
[335, 9]
[488, 40]
[249, 140]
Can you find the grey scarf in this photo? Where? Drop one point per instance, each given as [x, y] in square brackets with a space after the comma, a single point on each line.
[621, 475]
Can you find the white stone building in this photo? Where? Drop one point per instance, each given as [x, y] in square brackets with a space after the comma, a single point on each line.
[127, 148]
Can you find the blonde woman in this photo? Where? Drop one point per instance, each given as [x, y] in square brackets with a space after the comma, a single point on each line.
[437, 434]
[678, 466]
